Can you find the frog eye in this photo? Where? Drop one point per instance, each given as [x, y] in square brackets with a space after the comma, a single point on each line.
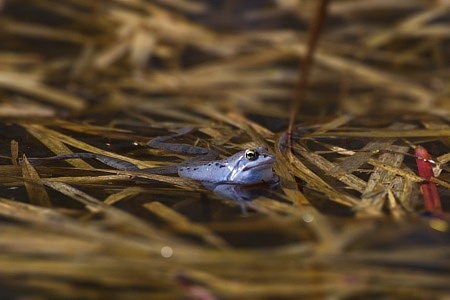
[251, 154]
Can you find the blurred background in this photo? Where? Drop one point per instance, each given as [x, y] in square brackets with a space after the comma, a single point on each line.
[83, 56]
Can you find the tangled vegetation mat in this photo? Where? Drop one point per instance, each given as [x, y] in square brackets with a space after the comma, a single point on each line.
[360, 211]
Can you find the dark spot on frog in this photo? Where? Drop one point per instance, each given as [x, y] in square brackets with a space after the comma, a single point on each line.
[195, 169]
[222, 166]
[216, 164]
[181, 169]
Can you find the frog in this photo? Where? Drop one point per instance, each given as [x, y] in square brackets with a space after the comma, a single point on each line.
[246, 167]
[250, 166]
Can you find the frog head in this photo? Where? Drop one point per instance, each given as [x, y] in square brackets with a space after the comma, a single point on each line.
[251, 166]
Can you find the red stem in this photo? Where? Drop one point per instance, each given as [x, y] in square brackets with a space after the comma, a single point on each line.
[429, 190]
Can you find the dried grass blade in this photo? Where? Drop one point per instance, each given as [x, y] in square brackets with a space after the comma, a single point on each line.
[442, 183]
[248, 289]
[185, 183]
[12, 176]
[176, 109]
[88, 180]
[92, 129]
[26, 110]
[381, 181]
[260, 130]
[123, 194]
[319, 224]
[437, 123]
[350, 180]
[116, 216]
[183, 224]
[257, 132]
[333, 124]
[383, 80]
[284, 170]
[35, 189]
[397, 211]
[24, 84]
[403, 173]
[316, 183]
[14, 152]
[407, 191]
[52, 221]
[42, 217]
[188, 6]
[352, 163]
[141, 48]
[408, 26]
[414, 133]
[54, 135]
[36, 30]
[32, 241]
[221, 135]
[55, 145]
[310, 218]
[107, 57]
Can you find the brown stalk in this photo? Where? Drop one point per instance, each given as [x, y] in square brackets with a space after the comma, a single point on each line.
[305, 66]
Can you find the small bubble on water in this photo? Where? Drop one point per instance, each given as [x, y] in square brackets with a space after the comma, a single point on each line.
[307, 217]
[166, 251]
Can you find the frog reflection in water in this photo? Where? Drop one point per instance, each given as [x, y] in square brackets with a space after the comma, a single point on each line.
[251, 166]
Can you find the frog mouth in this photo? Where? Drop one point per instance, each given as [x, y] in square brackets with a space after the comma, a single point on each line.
[264, 165]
